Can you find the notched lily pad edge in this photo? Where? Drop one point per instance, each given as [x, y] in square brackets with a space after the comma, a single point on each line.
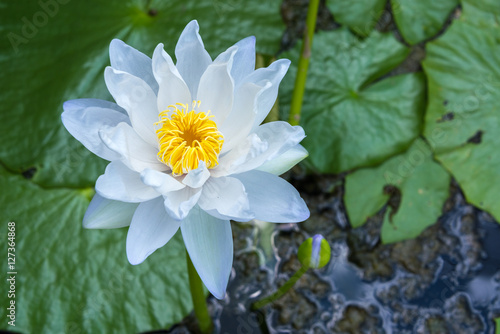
[392, 195]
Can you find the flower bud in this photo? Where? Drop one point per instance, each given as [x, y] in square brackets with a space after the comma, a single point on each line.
[315, 252]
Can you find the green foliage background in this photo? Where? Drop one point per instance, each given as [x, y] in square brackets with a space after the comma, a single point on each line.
[386, 126]
[368, 113]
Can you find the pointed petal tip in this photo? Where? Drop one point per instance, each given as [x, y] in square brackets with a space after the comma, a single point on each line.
[285, 63]
[115, 46]
[68, 105]
[305, 215]
[300, 131]
[219, 294]
[151, 228]
[191, 26]
[193, 23]
[249, 40]
[210, 245]
[108, 72]
[158, 51]
[159, 47]
[85, 224]
[135, 261]
[280, 66]
[300, 209]
[303, 212]
[117, 40]
[217, 289]
[135, 258]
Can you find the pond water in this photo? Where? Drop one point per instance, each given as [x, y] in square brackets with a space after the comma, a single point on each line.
[445, 281]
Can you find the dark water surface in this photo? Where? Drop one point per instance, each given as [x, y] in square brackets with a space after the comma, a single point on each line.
[445, 281]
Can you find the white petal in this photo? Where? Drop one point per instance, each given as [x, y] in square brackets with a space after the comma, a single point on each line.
[209, 242]
[227, 196]
[85, 117]
[244, 60]
[285, 161]
[218, 215]
[80, 104]
[239, 123]
[216, 87]
[125, 58]
[135, 152]
[105, 213]
[197, 177]
[123, 184]
[269, 141]
[179, 203]
[272, 199]
[173, 89]
[231, 162]
[151, 228]
[160, 181]
[192, 58]
[273, 73]
[137, 98]
[227, 56]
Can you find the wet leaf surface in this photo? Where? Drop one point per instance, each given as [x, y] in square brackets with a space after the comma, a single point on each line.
[463, 116]
[353, 116]
[361, 16]
[421, 20]
[413, 186]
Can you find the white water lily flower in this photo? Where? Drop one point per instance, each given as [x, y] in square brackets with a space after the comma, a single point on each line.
[187, 150]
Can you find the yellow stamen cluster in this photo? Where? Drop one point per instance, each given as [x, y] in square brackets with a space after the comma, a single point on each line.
[187, 137]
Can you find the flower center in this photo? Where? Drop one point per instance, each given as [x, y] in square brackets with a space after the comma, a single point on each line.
[187, 137]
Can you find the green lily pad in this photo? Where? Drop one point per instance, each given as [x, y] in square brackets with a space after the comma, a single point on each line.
[414, 186]
[421, 20]
[69, 279]
[462, 122]
[352, 116]
[56, 50]
[360, 15]
[481, 13]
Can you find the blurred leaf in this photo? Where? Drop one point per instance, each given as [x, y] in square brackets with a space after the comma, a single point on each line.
[360, 15]
[421, 20]
[71, 280]
[463, 116]
[352, 116]
[481, 12]
[413, 184]
[497, 325]
[55, 50]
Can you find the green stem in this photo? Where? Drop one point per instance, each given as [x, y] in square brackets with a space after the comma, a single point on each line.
[305, 55]
[282, 290]
[198, 297]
